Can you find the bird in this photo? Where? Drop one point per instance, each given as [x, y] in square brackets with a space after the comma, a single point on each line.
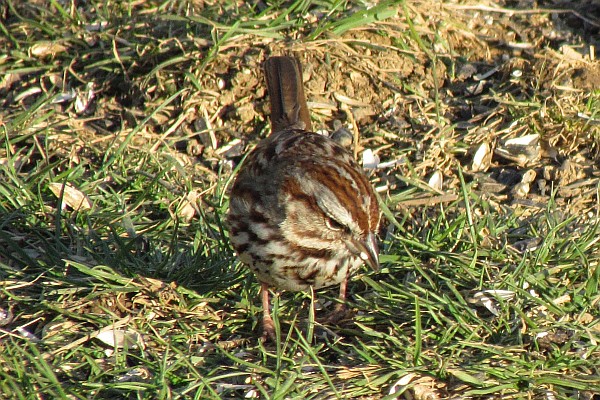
[302, 214]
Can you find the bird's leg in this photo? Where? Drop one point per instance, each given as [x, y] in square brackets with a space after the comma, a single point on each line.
[267, 322]
[339, 312]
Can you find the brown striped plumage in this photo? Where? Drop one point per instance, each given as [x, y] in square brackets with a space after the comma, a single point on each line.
[301, 211]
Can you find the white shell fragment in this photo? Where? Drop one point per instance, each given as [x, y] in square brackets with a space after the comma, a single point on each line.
[402, 382]
[489, 299]
[369, 159]
[527, 140]
[27, 335]
[84, 98]
[57, 328]
[43, 49]
[414, 386]
[231, 149]
[528, 176]
[523, 150]
[71, 196]
[64, 97]
[436, 181]
[482, 158]
[121, 338]
[187, 211]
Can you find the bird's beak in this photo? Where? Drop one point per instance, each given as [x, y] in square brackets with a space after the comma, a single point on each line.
[368, 251]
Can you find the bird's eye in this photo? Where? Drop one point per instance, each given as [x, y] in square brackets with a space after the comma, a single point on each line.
[334, 225]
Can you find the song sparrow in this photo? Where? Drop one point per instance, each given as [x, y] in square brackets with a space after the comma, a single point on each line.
[301, 212]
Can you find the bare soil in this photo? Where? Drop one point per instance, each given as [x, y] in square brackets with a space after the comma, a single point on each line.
[504, 94]
[425, 90]
[496, 72]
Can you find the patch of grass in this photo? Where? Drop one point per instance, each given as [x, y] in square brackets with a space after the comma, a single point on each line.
[138, 107]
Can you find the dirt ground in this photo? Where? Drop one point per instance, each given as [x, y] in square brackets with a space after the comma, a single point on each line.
[508, 76]
[495, 87]
[502, 94]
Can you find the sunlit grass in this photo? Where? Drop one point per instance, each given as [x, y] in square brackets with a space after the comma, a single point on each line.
[150, 258]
